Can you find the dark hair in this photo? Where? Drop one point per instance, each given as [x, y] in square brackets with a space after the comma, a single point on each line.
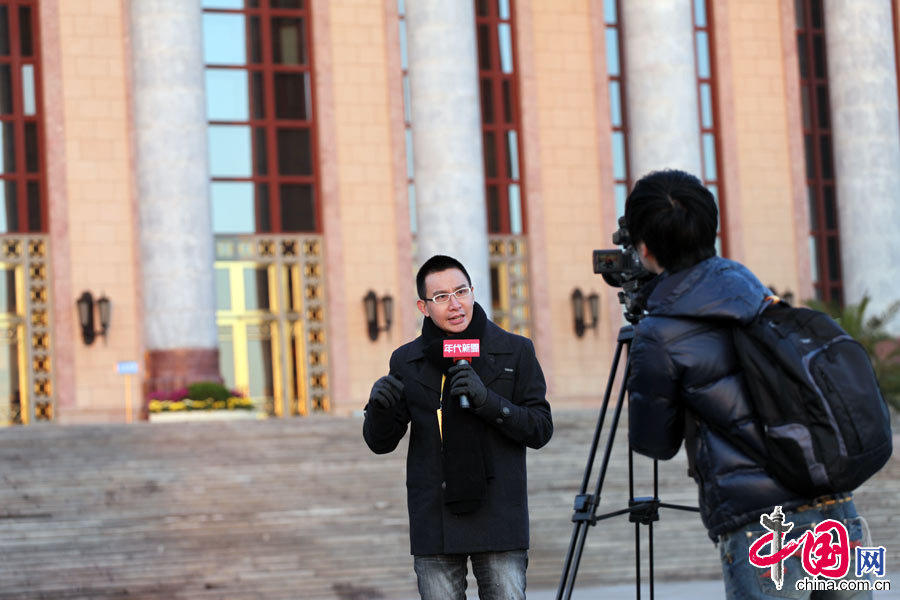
[675, 216]
[436, 264]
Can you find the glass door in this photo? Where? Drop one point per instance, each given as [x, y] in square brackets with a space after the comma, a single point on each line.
[270, 312]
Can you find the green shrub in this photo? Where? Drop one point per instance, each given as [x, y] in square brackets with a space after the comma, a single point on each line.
[203, 390]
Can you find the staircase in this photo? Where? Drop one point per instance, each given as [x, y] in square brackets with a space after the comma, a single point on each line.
[300, 509]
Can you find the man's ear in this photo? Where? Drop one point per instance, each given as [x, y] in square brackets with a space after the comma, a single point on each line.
[648, 259]
[423, 307]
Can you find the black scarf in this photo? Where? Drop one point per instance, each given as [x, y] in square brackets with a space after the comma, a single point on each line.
[466, 469]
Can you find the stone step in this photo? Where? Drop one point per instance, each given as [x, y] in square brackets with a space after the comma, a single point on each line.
[300, 508]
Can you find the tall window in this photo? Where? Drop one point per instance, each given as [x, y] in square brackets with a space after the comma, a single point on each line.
[499, 116]
[262, 135]
[706, 94]
[617, 104]
[22, 188]
[500, 126]
[270, 286]
[825, 254]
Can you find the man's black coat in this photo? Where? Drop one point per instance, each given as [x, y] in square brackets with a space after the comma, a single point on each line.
[517, 414]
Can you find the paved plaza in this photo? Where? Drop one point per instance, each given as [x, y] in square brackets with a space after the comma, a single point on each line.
[300, 509]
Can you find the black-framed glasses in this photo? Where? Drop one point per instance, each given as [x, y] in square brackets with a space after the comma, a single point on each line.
[459, 294]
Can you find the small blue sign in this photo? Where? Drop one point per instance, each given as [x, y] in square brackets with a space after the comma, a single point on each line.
[127, 367]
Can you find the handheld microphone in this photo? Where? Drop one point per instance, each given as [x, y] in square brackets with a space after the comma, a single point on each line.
[459, 351]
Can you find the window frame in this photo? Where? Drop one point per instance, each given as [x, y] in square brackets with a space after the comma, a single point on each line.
[499, 128]
[828, 289]
[267, 212]
[19, 120]
[622, 127]
[713, 129]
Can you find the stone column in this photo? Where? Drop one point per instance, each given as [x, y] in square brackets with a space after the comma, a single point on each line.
[176, 239]
[446, 127]
[862, 80]
[661, 86]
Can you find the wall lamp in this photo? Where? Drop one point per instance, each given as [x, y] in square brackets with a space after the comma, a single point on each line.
[593, 302]
[370, 301]
[85, 305]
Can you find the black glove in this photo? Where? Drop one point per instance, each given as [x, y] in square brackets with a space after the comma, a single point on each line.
[386, 392]
[464, 380]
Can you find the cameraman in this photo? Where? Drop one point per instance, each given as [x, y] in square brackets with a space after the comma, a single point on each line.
[685, 376]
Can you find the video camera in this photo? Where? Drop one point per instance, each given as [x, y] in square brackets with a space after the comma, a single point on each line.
[623, 269]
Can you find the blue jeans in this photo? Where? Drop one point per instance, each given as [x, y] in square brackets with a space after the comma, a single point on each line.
[743, 581]
[500, 575]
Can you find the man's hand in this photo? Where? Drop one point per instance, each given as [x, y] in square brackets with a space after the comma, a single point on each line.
[464, 380]
[386, 392]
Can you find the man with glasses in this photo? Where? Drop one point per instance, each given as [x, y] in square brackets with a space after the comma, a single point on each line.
[465, 475]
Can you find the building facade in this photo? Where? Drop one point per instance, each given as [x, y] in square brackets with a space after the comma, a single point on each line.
[235, 177]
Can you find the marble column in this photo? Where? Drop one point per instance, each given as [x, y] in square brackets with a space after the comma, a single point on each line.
[862, 80]
[172, 180]
[446, 125]
[661, 86]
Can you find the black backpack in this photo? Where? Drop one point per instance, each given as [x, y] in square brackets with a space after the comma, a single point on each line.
[826, 424]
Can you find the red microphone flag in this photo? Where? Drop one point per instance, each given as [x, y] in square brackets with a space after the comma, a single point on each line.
[457, 349]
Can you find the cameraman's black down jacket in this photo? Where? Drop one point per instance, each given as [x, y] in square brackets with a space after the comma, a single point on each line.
[682, 358]
[517, 414]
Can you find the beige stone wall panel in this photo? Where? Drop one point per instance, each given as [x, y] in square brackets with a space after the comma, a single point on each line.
[91, 202]
[539, 284]
[763, 131]
[57, 206]
[331, 211]
[370, 217]
[568, 158]
[731, 213]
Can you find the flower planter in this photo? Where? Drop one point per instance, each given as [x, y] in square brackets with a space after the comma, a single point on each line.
[204, 415]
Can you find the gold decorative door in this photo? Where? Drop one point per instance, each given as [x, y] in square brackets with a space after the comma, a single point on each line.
[26, 379]
[509, 283]
[271, 320]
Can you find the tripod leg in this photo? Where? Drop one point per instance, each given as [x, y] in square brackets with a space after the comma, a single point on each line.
[650, 535]
[601, 477]
[637, 560]
[585, 515]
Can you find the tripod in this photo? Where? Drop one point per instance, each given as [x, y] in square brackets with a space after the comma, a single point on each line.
[641, 511]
